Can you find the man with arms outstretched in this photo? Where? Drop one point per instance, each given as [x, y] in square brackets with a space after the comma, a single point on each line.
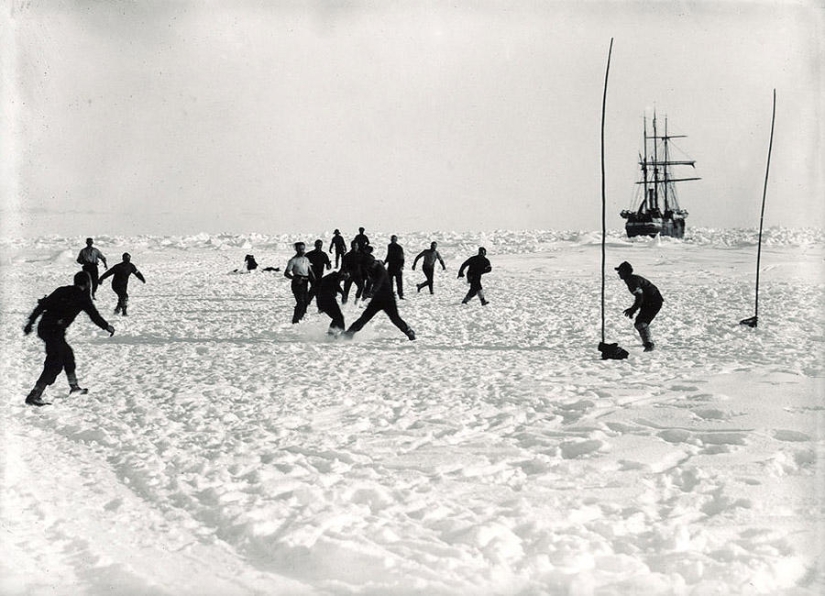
[59, 310]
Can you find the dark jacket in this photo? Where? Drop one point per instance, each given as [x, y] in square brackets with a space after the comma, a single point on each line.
[644, 291]
[339, 244]
[329, 287]
[61, 307]
[362, 240]
[476, 266]
[319, 260]
[381, 288]
[395, 257]
[121, 273]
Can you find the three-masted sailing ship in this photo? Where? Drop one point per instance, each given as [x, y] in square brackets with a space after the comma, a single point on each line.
[656, 208]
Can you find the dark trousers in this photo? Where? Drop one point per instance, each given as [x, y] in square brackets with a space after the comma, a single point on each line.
[475, 287]
[428, 273]
[397, 278]
[59, 355]
[359, 287]
[379, 303]
[331, 308]
[122, 299]
[93, 274]
[300, 289]
[313, 285]
[338, 257]
[648, 312]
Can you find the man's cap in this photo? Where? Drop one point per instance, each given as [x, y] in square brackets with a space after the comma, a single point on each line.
[126, 255]
[625, 266]
[81, 278]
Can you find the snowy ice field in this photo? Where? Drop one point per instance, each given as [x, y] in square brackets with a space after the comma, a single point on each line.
[222, 450]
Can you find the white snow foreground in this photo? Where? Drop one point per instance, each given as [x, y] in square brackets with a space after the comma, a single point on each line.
[222, 450]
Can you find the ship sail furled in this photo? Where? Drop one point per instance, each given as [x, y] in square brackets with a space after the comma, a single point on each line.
[656, 208]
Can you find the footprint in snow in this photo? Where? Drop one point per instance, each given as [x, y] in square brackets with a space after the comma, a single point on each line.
[790, 436]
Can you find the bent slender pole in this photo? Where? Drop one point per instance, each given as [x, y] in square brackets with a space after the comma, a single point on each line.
[762, 216]
[604, 199]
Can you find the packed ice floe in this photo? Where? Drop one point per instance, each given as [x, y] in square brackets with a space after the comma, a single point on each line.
[223, 450]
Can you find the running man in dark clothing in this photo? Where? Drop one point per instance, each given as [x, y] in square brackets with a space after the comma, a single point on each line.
[59, 310]
[88, 258]
[648, 302]
[120, 281]
[430, 256]
[319, 260]
[382, 299]
[299, 270]
[395, 265]
[476, 266]
[339, 245]
[328, 290]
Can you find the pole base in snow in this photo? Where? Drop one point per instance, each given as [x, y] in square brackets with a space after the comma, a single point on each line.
[612, 351]
[751, 322]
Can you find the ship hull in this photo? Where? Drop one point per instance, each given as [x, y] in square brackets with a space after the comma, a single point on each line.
[635, 226]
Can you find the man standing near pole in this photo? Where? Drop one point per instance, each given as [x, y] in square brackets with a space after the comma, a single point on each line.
[648, 302]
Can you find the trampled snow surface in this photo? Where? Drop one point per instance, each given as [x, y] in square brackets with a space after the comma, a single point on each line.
[222, 450]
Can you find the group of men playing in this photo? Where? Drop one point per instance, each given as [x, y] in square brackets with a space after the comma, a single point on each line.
[374, 280]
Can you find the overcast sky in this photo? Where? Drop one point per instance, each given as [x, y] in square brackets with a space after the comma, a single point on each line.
[177, 117]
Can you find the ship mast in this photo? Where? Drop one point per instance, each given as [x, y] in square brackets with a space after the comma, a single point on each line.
[661, 179]
[644, 170]
[665, 184]
[655, 196]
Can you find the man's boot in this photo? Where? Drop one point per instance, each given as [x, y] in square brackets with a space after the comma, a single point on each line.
[74, 387]
[34, 396]
[647, 340]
